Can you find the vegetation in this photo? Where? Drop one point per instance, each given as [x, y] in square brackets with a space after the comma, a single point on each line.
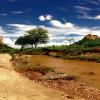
[34, 37]
[85, 49]
[23, 40]
[6, 49]
[89, 41]
[37, 36]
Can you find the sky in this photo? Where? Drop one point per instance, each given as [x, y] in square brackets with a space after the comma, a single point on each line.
[60, 17]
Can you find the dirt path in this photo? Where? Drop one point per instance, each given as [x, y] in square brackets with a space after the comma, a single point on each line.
[15, 87]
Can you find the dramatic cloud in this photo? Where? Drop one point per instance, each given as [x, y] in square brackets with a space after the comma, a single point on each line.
[21, 28]
[45, 17]
[58, 17]
[94, 2]
[82, 8]
[58, 24]
[57, 32]
[13, 31]
[72, 28]
[85, 16]
[86, 11]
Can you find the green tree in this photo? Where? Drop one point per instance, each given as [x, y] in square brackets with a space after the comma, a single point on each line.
[23, 40]
[38, 35]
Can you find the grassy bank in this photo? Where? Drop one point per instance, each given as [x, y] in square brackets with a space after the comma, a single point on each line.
[6, 49]
[86, 49]
[67, 52]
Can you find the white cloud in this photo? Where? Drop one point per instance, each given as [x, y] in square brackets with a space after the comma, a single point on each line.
[97, 17]
[48, 17]
[57, 32]
[95, 2]
[17, 12]
[45, 17]
[8, 41]
[5, 35]
[85, 16]
[21, 28]
[58, 24]
[2, 31]
[58, 27]
[3, 14]
[41, 18]
[82, 8]
[15, 31]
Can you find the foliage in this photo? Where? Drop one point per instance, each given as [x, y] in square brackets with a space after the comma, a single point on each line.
[89, 42]
[23, 40]
[34, 37]
[7, 49]
[37, 36]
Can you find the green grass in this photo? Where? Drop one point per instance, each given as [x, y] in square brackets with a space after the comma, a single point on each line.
[7, 49]
[89, 42]
[64, 51]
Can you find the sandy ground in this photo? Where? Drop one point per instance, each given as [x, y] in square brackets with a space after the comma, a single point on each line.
[16, 87]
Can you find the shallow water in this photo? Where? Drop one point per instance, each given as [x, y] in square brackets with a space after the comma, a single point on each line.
[88, 72]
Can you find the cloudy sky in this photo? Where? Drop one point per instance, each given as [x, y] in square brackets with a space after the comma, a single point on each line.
[59, 17]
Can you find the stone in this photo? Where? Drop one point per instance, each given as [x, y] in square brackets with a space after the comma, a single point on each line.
[1, 40]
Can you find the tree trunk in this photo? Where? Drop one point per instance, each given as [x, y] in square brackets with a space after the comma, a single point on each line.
[22, 48]
[35, 45]
[32, 46]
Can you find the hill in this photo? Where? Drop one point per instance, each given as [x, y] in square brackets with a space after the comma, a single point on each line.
[89, 41]
[6, 49]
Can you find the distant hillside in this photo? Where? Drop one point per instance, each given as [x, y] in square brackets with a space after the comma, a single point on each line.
[89, 41]
[72, 35]
[6, 49]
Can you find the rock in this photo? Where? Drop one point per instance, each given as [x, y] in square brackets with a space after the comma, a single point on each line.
[55, 76]
[1, 40]
[91, 37]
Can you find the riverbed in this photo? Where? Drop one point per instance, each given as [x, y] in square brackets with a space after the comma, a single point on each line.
[87, 72]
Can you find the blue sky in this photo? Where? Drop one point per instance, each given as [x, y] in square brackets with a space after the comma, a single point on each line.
[59, 17]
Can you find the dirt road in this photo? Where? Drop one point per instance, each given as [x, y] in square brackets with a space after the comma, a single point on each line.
[16, 87]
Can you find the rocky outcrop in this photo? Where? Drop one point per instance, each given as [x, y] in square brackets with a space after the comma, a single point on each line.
[89, 41]
[1, 40]
[91, 37]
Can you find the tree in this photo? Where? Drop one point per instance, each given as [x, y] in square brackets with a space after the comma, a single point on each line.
[38, 35]
[23, 40]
